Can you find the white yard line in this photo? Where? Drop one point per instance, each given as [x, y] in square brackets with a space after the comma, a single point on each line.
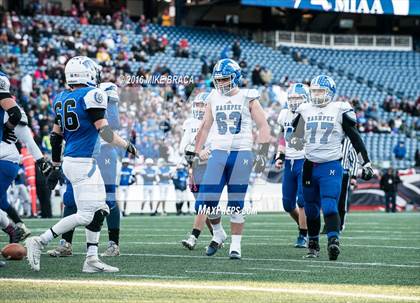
[186, 256]
[337, 267]
[200, 286]
[219, 272]
[278, 269]
[152, 276]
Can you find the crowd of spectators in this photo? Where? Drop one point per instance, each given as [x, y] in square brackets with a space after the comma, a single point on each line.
[157, 131]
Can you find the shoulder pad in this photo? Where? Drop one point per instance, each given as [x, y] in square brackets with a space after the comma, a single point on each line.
[282, 114]
[96, 98]
[4, 83]
[111, 89]
[302, 107]
[251, 94]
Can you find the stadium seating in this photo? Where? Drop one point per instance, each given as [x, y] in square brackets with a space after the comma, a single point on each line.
[370, 75]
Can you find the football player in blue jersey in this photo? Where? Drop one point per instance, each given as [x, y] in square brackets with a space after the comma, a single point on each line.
[292, 160]
[164, 176]
[233, 110]
[13, 126]
[107, 159]
[149, 175]
[80, 121]
[127, 178]
[198, 167]
[322, 125]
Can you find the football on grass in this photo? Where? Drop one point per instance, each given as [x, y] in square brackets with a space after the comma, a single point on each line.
[13, 251]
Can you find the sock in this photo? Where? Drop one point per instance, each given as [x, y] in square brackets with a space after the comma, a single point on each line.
[114, 235]
[217, 227]
[196, 233]
[332, 222]
[92, 240]
[235, 245]
[92, 249]
[303, 232]
[68, 236]
[11, 212]
[47, 236]
[4, 220]
[314, 226]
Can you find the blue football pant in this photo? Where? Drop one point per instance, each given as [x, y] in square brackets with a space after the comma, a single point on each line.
[292, 185]
[225, 168]
[8, 173]
[324, 194]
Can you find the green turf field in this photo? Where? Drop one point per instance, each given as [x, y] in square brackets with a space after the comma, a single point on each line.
[380, 261]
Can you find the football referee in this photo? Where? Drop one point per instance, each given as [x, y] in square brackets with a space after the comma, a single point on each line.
[349, 181]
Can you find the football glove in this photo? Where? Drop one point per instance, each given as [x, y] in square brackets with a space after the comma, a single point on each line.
[131, 149]
[190, 154]
[261, 159]
[367, 171]
[279, 160]
[297, 143]
[44, 166]
[8, 135]
[54, 177]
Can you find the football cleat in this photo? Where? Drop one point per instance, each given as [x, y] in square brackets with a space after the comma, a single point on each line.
[216, 243]
[34, 248]
[313, 249]
[113, 250]
[234, 255]
[26, 231]
[93, 264]
[333, 248]
[301, 242]
[190, 242]
[64, 249]
[15, 233]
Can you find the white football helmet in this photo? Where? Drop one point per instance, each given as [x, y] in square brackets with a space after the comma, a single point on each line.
[149, 162]
[199, 105]
[82, 70]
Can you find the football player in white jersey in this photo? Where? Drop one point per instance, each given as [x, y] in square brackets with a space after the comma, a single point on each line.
[292, 160]
[13, 126]
[191, 127]
[80, 121]
[231, 160]
[322, 124]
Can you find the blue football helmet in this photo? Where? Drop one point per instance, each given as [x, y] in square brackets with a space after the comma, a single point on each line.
[322, 90]
[226, 76]
[199, 105]
[297, 94]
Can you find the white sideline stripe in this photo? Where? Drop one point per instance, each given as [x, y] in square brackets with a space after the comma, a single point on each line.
[152, 276]
[219, 272]
[288, 243]
[198, 286]
[266, 259]
[278, 269]
[338, 267]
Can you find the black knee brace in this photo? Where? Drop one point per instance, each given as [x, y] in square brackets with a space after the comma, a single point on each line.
[97, 221]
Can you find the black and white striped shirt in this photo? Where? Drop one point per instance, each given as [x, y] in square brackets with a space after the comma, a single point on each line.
[349, 160]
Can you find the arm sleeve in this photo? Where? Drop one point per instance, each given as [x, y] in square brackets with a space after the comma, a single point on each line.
[23, 133]
[349, 127]
[298, 126]
[96, 114]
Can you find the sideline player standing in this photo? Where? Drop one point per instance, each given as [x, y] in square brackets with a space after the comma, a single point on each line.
[293, 159]
[322, 124]
[198, 167]
[80, 120]
[232, 109]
